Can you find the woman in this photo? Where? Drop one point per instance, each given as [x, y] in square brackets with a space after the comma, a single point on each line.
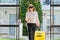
[32, 20]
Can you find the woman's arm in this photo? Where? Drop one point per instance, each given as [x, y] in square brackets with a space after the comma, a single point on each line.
[37, 20]
[26, 19]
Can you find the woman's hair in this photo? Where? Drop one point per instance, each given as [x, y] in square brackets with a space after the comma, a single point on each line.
[31, 5]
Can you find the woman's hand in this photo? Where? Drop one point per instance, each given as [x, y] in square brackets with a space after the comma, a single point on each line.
[37, 24]
[26, 19]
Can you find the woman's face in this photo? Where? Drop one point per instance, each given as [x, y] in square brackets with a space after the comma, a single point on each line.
[30, 9]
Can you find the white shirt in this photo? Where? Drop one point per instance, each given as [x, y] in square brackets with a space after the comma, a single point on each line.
[31, 16]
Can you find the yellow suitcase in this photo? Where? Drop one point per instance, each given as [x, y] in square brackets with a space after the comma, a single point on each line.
[39, 35]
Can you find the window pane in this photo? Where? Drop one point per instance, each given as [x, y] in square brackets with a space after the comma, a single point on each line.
[57, 16]
[55, 1]
[5, 35]
[3, 2]
[7, 14]
[0, 0]
[8, 17]
[46, 2]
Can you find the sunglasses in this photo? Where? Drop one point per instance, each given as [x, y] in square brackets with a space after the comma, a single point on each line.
[30, 7]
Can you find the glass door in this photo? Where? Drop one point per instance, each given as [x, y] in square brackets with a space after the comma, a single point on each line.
[8, 23]
[55, 19]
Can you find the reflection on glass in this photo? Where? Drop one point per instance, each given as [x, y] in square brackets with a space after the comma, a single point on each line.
[6, 34]
[57, 33]
[7, 1]
[57, 16]
[55, 1]
[0, 0]
[10, 2]
[56, 19]
[7, 15]
[47, 2]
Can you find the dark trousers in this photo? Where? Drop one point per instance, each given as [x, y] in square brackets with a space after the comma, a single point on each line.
[31, 30]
